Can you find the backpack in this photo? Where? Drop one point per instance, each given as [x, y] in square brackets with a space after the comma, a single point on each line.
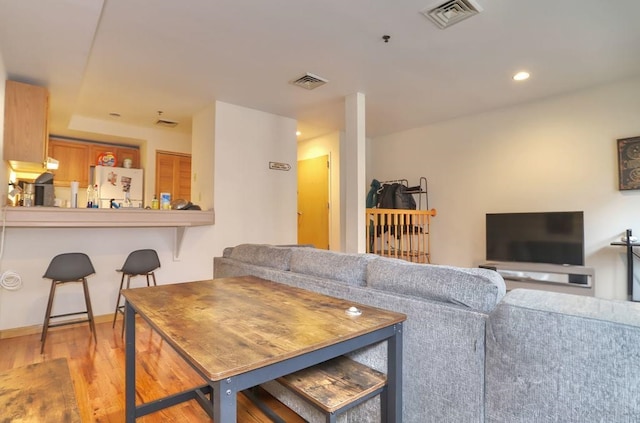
[402, 199]
[395, 196]
[386, 197]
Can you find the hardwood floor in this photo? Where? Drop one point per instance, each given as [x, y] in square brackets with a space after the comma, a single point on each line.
[97, 371]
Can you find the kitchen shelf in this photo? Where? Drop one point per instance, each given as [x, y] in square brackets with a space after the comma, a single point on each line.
[54, 217]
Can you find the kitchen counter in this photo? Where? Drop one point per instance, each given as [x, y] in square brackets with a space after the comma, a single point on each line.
[54, 217]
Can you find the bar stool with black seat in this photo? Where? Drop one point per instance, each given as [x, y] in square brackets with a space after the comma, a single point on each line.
[65, 268]
[138, 263]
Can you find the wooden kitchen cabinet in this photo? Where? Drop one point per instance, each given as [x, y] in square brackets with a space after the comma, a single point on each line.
[128, 153]
[95, 150]
[73, 158]
[26, 112]
[121, 153]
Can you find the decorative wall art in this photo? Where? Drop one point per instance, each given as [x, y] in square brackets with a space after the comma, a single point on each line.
[629, 163]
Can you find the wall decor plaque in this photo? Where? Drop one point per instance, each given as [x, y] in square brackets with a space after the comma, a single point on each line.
[629, 163]
[279, 166]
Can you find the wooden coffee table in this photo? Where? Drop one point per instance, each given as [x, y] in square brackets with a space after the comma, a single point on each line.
[240, 332]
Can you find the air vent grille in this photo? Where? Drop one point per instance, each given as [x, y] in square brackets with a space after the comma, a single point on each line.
[309, 81]
[451, 12]
[166, 123]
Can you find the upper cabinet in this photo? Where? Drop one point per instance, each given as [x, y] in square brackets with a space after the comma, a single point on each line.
[26, 110]
[133, 154]
[73, 162]
[120, 153]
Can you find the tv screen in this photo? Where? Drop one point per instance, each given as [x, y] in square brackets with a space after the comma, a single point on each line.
[547, 237]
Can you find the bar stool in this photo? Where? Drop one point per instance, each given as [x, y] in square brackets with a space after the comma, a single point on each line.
[138, 263]
[65, 268]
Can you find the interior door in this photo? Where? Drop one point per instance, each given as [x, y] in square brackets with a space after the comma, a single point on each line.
[313, 202]
[173, 175]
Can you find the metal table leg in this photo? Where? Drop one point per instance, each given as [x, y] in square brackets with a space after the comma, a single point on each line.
[130, 363]
[392, 402]
[224, 397]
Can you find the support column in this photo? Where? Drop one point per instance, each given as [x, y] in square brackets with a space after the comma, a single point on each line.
[355, 173]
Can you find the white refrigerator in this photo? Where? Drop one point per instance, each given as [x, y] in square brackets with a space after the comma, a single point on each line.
[116, 183]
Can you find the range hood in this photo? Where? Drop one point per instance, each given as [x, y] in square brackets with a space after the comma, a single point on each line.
[26, 167]
[33, 167]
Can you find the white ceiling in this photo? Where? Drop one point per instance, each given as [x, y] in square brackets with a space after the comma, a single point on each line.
[136, 57]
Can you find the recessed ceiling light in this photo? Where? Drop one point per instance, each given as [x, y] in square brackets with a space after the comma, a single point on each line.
[521, 76]
[298, 133]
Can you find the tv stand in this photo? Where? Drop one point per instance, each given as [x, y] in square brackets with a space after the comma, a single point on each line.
[569, 279]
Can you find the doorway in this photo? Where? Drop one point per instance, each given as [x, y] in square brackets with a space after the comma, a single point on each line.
[313, 202]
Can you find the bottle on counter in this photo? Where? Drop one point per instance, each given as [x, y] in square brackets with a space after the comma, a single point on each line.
[28, 195]
[155, 205]
[74, 194]
[90, 196]
[127, 200]
[96, 198]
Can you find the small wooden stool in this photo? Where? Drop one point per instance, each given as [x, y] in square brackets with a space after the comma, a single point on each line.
[41, 392]
[336, 385]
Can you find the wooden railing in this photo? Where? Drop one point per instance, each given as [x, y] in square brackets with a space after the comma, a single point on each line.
[402, 234]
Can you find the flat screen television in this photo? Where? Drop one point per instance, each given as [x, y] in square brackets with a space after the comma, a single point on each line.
[544, 237]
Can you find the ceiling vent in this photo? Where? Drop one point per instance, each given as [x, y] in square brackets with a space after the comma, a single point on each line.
[166, 123]
[450, 12]
[309, 81]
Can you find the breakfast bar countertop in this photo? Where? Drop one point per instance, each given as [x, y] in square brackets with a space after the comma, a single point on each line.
[55, 217]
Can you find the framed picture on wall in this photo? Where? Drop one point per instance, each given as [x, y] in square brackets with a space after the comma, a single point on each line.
[629, 163]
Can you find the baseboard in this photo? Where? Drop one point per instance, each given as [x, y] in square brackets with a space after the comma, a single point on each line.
[30, 330]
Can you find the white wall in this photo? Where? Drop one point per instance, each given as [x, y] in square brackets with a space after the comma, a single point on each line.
[253, 204]
[327, 145]
[553, 155]
[4, 173]
[202, 170]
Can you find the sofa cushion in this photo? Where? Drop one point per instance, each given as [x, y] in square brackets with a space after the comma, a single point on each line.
[349, 268]
[478, 289]
[262, 255]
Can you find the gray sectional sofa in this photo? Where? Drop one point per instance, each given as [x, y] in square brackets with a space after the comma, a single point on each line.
[471, 354]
